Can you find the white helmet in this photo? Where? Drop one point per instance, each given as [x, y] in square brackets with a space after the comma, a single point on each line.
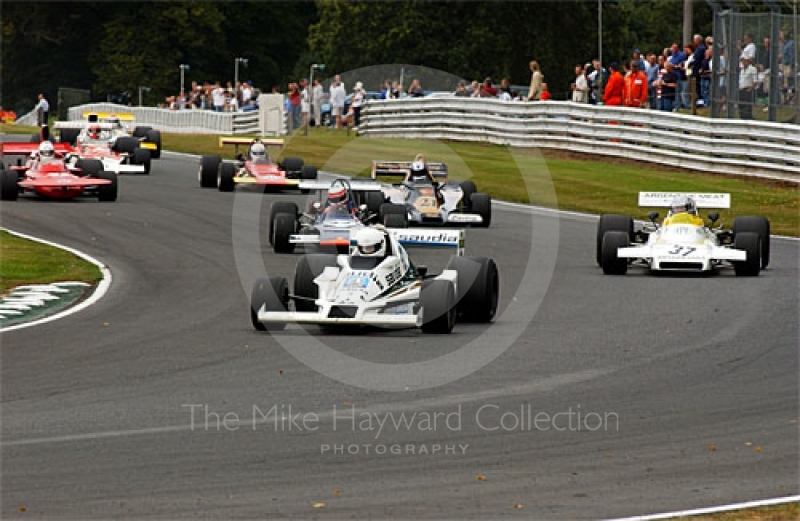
[46, 150]
[682, 204]
[114, 120]
[370, 243]
[258, 150]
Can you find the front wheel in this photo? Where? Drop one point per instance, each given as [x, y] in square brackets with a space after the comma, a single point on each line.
[481, 204]
[759, 225]
[9, 190]
[107, 193]
[478, 287]
[612, 264]
[753, 246]
[225, 183]
[209, 169]
[283, 228]
[438, 301]
[273, 295]
[141, 156]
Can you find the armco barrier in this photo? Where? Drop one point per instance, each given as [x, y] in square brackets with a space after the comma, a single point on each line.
[750, 148]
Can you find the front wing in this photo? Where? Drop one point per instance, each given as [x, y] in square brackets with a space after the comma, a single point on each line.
[266, 181]
[681, 257]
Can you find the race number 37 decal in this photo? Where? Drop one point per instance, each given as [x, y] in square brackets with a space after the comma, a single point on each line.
[682, 250]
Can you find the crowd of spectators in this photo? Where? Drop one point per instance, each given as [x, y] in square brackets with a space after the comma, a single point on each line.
[242, 97]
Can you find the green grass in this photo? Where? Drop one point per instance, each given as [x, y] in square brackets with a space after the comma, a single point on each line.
[548, 178]
[29, 262]
[789, 511]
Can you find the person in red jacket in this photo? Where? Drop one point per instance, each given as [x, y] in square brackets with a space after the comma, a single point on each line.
[635, 92]
[545, 96]
[614, 88]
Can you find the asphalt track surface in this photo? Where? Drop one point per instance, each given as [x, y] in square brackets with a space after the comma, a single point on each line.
[700, 372]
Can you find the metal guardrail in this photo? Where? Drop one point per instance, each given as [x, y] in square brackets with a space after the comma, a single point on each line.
[749, 148]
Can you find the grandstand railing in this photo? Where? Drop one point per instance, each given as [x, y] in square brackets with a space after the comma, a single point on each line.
[750, 148]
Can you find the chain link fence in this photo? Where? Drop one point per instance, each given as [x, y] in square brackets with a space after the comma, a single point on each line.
[764, 86]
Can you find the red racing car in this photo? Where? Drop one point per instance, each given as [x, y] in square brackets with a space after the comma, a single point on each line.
[253, 168]
[52, 172]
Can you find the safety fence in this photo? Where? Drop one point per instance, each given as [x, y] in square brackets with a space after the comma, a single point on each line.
[750, 148]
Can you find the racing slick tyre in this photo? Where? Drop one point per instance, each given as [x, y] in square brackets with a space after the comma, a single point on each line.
[125, 144]
[438, 301]
[308, 172]
[373, 200]
[395, 220]
[9, 191]
[612, 223]
[282, 229]
[293, 166]
[70, 135]
[467, 188]
[280, 207]
[308, 268]
[107, 193]
[225, 183]
[140, 131]
[753, 246]
[154, 136]
[209, 170]
[611, 263]
[389, 208]
[481, 204]
[90, 167]
[141, 156]
[273, 294]
[760, 225]
[478, 287]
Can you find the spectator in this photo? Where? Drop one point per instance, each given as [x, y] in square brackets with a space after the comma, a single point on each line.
[699, 55]
[305, 102]
[487, 91]
[535, 91]
[503, 95]
[42, 109]
[580, 87]
[652, 70]
[635, 91]
[461, 90]
[787, 62]
[616, 84]
[747, 80]
[316, 100]
[415, 89]
[749, 50]
[545, 93]
[597, 77]
[475, 89]
[338, 96]
[704, 77]
[386, 91]
[295, 101]
[669, 86]
[637, 57]
[505, 85]
[247, 95]
[218, 95]
[397, 89]
[358, 99]
[685, 71]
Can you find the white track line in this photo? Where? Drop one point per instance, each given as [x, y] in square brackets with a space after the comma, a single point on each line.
[713, 510]
[96, 295]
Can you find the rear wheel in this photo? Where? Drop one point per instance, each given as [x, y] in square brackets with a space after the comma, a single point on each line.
[478, 287]
[280, 207]
[209, 168]
[759, 225]
[308, 268]
[125, 145]
[438, 301]
[70, 135]
[612, 264]
[273, 295]
[284, 226]
[225, 183]
[468, 188]
[481, 204]
[373, 200]
[107, 193]
[141, 156]
[140, 131]
[612, 223]
[9, 190]
[293, 166]
[396, 220]
[753, 246]
[389, 208]
[154, 136]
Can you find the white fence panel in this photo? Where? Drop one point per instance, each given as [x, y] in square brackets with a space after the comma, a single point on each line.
[750, 148]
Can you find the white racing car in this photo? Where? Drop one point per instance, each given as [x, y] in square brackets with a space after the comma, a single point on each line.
[683, 242]
[376, 284]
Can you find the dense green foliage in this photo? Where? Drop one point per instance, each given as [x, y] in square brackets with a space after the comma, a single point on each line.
[110, 47]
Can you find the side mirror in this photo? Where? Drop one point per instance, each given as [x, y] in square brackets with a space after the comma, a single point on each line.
[652, 216]
[714, 217]
[422, 270]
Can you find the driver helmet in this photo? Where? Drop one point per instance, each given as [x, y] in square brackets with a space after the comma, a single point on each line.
[114, 120]
[47, 151]
[418, 169]
[682, 204]
[337, 195]
[258, 151]
[370, 243]
[94, 132]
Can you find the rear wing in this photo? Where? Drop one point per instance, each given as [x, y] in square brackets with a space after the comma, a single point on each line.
[356, 186]
[402, 168]
[663, 199]
[83, 124]
[247, 141]
[95, 117]
[23, 149]
[431, 238]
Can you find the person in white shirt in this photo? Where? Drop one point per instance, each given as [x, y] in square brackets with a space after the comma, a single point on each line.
[305, 101]
[358, 99]
[749, 50]
[580, 89]
[338, 96]
[247, 95]
[42, 110]
[316, 101]
[748, 76]
[218, 95]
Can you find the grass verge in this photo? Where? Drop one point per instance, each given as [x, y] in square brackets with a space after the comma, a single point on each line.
[580, 183]
[30, 262]
[772, 513]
